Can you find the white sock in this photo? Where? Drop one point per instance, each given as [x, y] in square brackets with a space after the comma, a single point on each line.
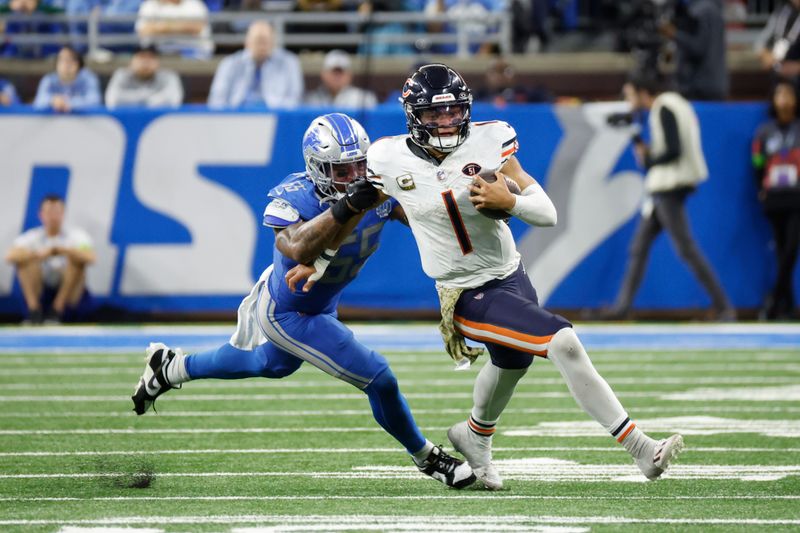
[631, 437]
[588, 388]
[493, 389]
[175, 372]
[420, 456]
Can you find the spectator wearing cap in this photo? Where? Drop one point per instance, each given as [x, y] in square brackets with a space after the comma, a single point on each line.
[336, 89]
[259, 75]
[144, 83]
[70, 87]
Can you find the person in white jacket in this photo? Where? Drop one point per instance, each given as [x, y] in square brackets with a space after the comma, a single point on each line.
[675, 167]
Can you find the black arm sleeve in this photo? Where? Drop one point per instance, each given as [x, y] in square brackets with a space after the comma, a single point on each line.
[671, 139]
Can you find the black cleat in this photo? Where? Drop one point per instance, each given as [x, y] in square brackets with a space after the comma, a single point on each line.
[447, 469]
[153, 382]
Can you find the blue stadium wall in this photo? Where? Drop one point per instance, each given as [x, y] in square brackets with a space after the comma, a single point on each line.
[173, 201]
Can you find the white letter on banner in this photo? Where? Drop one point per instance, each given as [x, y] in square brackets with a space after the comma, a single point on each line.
[222, 225]
[592, 203]
[91, 148]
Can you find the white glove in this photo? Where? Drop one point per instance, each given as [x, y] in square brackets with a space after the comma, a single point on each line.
[454, 341]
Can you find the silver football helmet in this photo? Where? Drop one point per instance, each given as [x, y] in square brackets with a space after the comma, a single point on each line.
[335, 151]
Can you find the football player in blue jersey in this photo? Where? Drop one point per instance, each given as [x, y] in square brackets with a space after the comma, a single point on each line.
[326, 215]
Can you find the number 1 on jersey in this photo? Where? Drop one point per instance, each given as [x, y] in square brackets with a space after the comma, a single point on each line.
[458, 224]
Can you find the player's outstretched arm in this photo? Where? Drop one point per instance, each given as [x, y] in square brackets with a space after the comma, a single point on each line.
[532, 205]
[305, 241]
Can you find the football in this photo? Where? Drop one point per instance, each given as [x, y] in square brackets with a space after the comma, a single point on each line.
[497, 214]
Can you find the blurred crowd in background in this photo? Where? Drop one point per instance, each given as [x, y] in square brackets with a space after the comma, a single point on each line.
[256, 47]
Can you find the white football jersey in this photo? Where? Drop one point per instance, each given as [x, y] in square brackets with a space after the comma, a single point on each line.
[458, 246]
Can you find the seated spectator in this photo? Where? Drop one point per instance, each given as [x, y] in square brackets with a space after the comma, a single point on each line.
[9, 48]
[778, 45]
[176, 27]
[259, 75]
[51, 263]
[144, 83]
[70, 87]
[472, 10]
[8, 94]
[502, 88]
[336, 89]
[776, 159]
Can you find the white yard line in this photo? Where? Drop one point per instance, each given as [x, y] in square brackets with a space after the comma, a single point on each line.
[486, 496]
[395, 521]
[444, 367]
[325, 451]
[188, 397]
[464, 382]
[289, 413]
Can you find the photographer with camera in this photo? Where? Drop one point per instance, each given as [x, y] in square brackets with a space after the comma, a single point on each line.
[699, 35]
[675, 167]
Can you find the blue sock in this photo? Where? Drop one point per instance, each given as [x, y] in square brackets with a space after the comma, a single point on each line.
[391, 411]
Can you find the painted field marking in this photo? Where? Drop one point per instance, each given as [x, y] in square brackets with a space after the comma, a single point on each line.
[281, 451]
[688, 425]
[789, 393]
[74, 529]
[444, 367]
[484, 496]
[289, 413]
[464, 522]
[330, 383]
[539, 469]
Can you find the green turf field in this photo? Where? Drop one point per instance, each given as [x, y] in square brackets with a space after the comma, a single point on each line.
[303, 454]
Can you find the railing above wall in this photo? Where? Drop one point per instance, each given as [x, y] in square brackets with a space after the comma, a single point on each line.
[497, 29]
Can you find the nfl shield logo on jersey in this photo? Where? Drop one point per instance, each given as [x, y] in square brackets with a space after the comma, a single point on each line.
[441, 175]
[471, 169]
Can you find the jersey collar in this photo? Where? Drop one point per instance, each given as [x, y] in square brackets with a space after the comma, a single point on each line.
[422, 153]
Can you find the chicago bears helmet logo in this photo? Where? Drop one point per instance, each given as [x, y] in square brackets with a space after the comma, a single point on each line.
[471, 169]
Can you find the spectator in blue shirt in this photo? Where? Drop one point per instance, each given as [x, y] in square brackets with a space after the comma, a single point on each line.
[259, 75]
[8, 94]
[70, 87]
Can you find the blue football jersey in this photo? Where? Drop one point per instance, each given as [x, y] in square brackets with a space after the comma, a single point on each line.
[295, 199]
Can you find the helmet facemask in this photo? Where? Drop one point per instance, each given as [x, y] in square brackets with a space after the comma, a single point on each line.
[443, 127]
[332, 178]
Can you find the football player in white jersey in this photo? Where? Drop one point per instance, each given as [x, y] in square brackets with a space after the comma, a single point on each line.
[435, 172]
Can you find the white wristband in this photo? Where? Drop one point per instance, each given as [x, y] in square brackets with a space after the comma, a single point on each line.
[321, 263]
[534, 207]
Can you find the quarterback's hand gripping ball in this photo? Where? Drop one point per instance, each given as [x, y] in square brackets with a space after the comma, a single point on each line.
[488, 196]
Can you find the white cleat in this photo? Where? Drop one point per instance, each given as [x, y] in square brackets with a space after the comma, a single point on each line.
[664, 451]
[478, 452]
